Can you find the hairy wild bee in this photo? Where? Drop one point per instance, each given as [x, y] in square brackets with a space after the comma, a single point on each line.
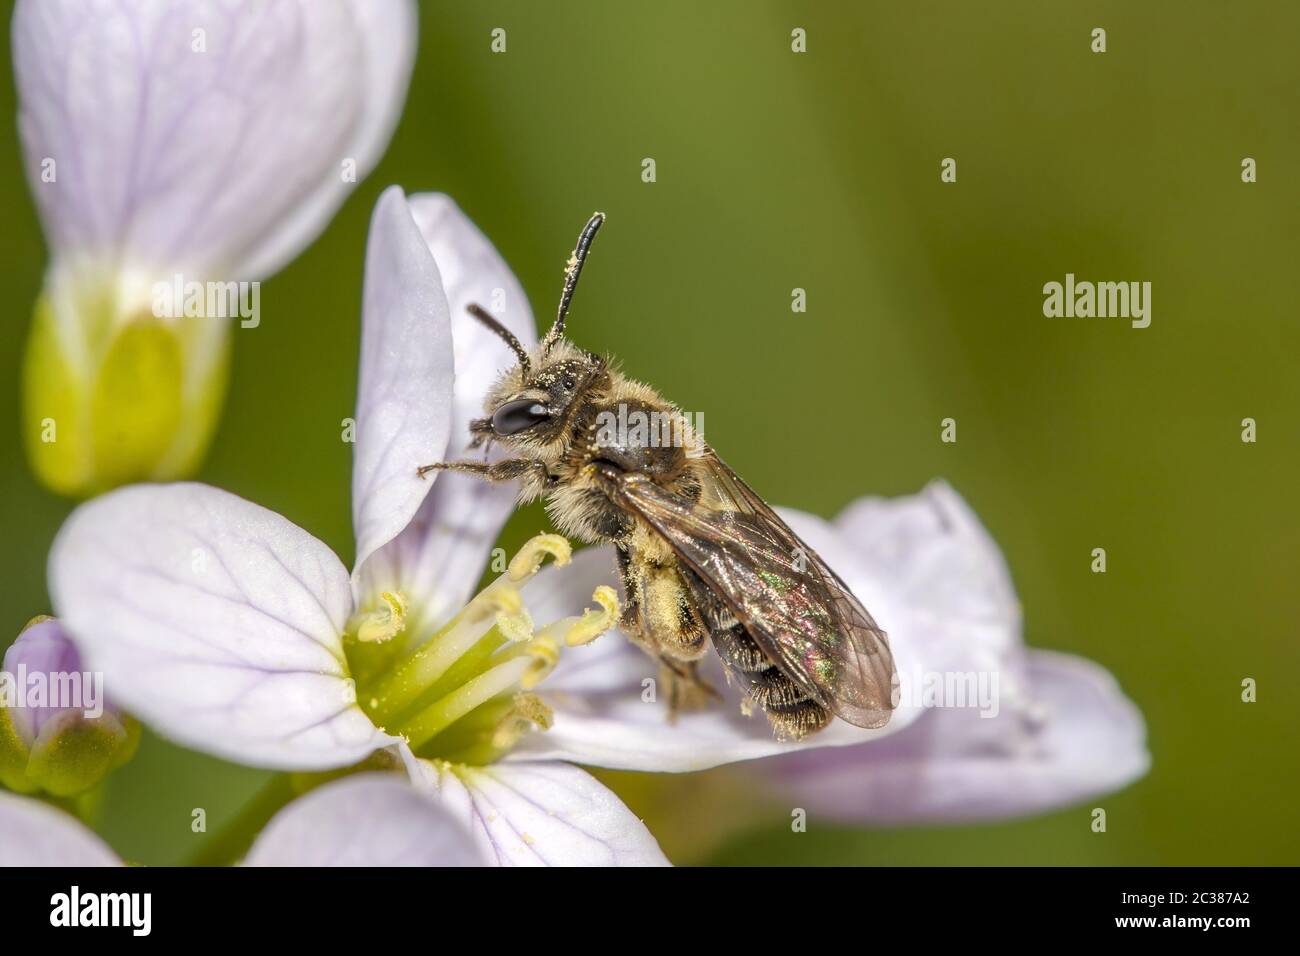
[703, 558]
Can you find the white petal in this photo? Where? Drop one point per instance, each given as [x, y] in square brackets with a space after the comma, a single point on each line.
[442, 554]
[473, 273]
[933, 555]
[389, 30]
[208, 138]
[36, 834]
[365, 820]
[1077, 738]
[215, 621]
[404, 391]
[540, 814]
[598, 692]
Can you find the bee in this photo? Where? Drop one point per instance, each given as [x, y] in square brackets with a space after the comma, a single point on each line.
[704, 561]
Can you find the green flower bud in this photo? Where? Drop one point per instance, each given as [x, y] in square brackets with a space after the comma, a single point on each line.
[57, 732]
[114, 394]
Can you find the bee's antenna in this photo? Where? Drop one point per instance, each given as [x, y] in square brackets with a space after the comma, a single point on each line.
[572, 270]
[495, 325]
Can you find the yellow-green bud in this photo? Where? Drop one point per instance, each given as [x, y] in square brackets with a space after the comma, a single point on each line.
[114, 394]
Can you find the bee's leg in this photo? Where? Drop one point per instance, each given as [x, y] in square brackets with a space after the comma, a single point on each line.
[660, 618]
[686, 689]
[511, 469]
[670, 616]
[682, 640]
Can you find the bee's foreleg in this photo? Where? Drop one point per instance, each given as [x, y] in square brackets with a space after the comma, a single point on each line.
[512, 469]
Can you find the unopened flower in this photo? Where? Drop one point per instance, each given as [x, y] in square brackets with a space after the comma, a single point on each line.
[179, 152]
[231, 630]
[364, 820]
[58, 734]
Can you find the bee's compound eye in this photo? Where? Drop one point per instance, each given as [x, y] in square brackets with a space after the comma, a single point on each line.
[514, 417]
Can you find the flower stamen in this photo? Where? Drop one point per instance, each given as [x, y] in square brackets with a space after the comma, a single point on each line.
[577, 631]
[498, 605]
[495, 614]
[528, 560]
[441, 714]
[384, 623]
[528, 711]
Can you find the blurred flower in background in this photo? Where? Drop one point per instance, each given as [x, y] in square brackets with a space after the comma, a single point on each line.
[179, 153]
[1059, 730]
[58, 733]
[366, 820]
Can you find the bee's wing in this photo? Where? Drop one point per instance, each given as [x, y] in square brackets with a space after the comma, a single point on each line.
[794, 607]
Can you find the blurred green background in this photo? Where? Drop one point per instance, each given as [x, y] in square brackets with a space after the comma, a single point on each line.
[821, 171]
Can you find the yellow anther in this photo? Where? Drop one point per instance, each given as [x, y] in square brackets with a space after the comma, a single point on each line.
[517, 627]
[528, 711]
[545, 654]
[504, 602]
[496, 598]
[385, 623]
[594, 623]
[528, 561]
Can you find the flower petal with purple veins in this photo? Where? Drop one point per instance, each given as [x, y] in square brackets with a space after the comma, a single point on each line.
[540, 814]
[366, 820]
[215, 621]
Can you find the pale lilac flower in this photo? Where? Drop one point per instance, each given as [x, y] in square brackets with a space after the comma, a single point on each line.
[1063, 731]
[364, 820]
[58, 731]
[180, 143]
[230, 630]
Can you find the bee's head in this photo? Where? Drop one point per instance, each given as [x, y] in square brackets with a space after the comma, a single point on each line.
[531, 403]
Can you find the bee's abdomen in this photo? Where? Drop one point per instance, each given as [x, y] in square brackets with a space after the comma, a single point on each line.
[738, 650]
[792, 712]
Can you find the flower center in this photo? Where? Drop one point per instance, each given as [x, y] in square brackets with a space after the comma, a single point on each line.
[465, 693]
